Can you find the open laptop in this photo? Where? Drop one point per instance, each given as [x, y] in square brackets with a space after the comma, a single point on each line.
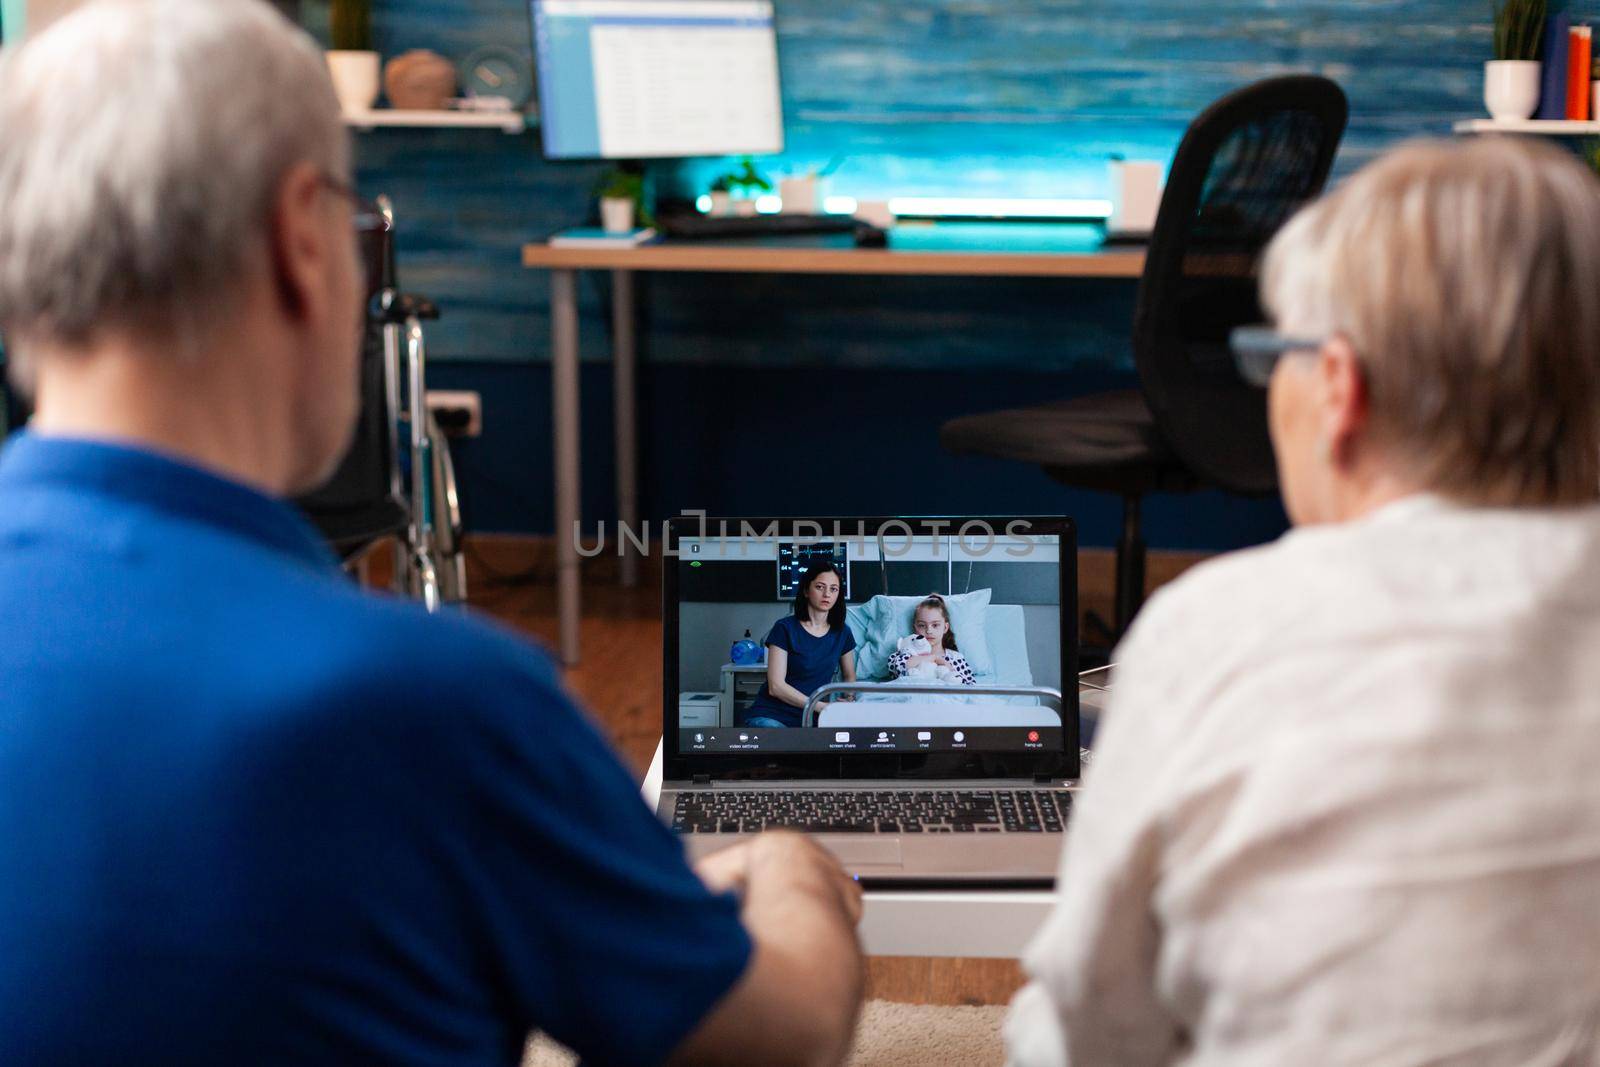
[909, 780]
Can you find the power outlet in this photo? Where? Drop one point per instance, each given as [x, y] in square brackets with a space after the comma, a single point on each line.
[459, 412]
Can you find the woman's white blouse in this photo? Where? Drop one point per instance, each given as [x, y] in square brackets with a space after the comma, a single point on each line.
[1344, 809]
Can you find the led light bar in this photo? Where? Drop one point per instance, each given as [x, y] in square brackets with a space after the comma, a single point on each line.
[952, 207]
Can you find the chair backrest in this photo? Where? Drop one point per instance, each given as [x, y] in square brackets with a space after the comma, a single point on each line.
[1244, 165]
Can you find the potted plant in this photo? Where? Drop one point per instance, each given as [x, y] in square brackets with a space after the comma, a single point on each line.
[1511, 78]
[621, 195]
[1589, 150]
[351, 61]
[803, 192]
[721, 198]
[746, 184]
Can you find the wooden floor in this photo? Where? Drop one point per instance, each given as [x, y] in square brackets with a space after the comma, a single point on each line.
[619, 681]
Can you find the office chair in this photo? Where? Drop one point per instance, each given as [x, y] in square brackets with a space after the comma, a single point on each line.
[1244, 165]
[380, 492]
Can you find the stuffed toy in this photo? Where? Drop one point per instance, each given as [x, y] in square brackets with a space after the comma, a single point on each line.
[917, 645]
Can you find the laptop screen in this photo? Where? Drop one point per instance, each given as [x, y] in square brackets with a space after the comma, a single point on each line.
[897, 636]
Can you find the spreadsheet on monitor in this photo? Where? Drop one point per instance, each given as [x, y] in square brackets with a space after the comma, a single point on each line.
[637, 79]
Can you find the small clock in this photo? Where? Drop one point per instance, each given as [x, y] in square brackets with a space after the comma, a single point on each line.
[495, 70]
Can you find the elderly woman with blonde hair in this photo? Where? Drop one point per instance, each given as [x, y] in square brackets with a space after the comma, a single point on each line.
[1346, 803]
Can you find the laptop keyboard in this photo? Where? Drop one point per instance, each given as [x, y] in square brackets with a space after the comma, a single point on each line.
[873, 811]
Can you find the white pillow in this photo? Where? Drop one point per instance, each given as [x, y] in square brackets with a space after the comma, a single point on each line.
[863, 622]
[882, 621]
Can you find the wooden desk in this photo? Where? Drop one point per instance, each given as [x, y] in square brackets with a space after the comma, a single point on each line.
[965, 249]
[725, 259]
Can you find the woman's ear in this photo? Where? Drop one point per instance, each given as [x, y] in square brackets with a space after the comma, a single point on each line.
[1342, 398]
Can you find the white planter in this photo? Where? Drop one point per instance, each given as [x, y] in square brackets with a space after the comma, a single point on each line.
[745, 208]
[801, 196]
[355, 79]
[721, 203]
[616, 214]
[1511, 88]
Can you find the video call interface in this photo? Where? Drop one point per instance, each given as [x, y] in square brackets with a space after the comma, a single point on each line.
[950, 632]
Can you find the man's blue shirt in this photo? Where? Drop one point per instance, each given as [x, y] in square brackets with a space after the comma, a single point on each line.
[249, 814]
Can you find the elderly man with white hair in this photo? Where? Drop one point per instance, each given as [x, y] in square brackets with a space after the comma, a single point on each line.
[247, 813]
[1345, 808]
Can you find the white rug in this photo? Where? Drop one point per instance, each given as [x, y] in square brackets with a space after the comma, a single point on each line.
[889, 1035]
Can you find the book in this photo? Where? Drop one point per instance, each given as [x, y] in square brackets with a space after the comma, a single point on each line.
[1579, 45]
[1553, 69]
[595, 237]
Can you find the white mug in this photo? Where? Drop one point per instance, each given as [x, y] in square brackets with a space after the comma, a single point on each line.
[875, 213]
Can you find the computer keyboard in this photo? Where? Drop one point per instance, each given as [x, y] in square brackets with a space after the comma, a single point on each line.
[873, 811]
[686, 226]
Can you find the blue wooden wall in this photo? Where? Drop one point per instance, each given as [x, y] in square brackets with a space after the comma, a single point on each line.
[969, 97]
[962, 97]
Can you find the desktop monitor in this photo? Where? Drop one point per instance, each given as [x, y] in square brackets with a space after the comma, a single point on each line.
[640, 79]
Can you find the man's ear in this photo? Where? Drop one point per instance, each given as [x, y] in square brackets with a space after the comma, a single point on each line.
[297, 241]
[1343, 398]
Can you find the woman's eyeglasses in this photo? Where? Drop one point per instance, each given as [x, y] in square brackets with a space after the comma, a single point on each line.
[1257, 349]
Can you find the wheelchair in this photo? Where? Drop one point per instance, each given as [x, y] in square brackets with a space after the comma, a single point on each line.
[397, 484]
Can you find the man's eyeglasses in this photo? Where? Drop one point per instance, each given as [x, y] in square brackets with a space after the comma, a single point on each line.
[367, 216]
[1257, 349]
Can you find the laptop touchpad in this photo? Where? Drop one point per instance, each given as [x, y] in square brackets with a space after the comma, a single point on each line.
[856, 851]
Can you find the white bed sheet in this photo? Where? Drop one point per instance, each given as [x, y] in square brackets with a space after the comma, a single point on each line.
[917, 712]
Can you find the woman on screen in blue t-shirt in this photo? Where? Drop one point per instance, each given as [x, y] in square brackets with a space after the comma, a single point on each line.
[804, 649]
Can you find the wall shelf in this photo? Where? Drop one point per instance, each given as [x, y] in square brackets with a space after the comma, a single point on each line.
[1548, 127]
[508, 121]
